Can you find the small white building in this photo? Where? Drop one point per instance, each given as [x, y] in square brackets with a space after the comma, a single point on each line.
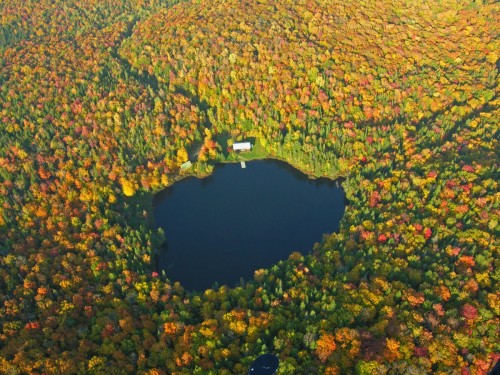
[242, 146]
[186, 165]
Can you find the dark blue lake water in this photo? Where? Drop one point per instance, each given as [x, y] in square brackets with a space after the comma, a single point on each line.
[224, 227]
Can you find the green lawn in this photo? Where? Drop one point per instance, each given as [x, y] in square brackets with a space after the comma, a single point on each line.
[258, 152]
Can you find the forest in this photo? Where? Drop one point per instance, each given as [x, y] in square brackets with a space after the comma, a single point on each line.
[102, 101]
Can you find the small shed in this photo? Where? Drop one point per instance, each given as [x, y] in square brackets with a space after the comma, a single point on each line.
[242, 146]
[186, 165]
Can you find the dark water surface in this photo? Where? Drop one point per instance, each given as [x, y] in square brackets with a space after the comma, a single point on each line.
[226, 226]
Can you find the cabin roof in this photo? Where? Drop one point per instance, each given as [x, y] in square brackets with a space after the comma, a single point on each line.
[186, 165]
[242, 146]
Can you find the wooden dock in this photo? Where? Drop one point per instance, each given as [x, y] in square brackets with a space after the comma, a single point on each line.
[243, 165]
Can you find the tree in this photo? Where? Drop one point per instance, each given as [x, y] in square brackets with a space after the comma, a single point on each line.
[128, 187]
[325, 346]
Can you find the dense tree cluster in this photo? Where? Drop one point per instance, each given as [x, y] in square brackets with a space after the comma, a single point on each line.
[325, 75]
[102, 101]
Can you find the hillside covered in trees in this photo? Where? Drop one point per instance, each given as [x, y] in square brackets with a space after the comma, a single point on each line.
[102, 101]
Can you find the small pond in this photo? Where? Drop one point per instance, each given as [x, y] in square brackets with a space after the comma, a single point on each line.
[224, 227]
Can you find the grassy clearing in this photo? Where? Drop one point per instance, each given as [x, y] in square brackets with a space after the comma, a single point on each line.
[258, 152]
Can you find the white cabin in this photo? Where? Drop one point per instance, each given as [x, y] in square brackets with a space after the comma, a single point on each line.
[242, 146]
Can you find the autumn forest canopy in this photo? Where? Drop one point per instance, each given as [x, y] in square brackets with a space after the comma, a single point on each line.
[101, 102]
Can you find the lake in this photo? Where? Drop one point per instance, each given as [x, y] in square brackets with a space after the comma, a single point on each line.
[224, 227]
